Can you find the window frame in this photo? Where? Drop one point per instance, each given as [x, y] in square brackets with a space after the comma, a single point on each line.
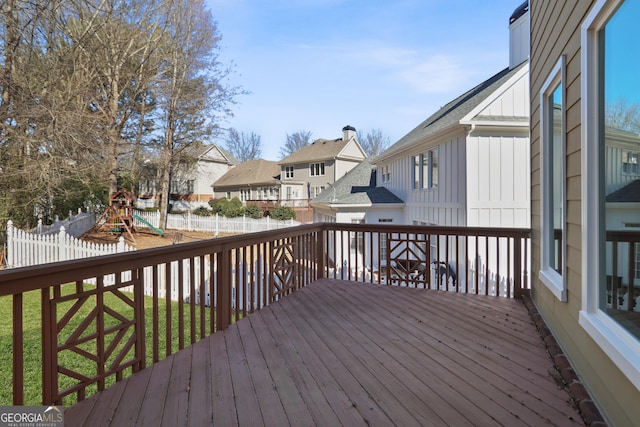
[424, 176]
[288, 172]
[316, 169]
[614, 340]
[416, 163]
[634, 166]
[433, 172]
[555, 281]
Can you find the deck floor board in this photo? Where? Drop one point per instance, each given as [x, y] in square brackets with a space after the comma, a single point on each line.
[345, 353]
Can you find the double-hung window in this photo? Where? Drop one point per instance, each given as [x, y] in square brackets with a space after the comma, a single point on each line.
[553, 178]
[288, 172]
[316, 169]
[430, 169]
[425, 170]
[630, 162]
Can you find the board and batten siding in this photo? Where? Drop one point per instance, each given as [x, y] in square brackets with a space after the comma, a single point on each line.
[556, 31]
[498, 182]
[445, 204]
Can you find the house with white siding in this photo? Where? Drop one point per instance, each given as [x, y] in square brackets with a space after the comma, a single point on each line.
[468, 164]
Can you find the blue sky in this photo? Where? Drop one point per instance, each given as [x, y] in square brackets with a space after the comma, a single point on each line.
[318, 65]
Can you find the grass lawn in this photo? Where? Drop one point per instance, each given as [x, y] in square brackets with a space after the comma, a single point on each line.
[70, 359]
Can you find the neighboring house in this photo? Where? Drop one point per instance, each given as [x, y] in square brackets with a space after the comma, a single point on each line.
[308, 171]
[191, 179]
[356, 199]
[586, 195]
[254, 180]
[468, 164]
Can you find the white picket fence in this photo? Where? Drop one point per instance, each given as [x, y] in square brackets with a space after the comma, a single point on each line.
[215, 224]
[27, 248]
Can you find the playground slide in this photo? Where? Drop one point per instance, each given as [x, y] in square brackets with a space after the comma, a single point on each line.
[157, 230]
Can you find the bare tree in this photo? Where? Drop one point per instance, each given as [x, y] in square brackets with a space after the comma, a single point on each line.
[623, 115]
[87, 86]
[374, 142]
[192, 89]
[243, 146]
[295, 142]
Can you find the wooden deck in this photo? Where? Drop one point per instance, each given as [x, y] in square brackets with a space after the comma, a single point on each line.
[344, 353]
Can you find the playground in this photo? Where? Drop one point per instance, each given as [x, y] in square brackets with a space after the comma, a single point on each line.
[117, 220]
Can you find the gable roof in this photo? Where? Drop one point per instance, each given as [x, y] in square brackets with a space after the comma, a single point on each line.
[453, 112]
[252, 172]
[357, 187]
[201, 151]
[630, 193]
[318, 150]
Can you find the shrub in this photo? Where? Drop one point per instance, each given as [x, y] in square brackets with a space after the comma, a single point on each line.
[283, 213]
[202, 211]
[219, 205]
[253, 211]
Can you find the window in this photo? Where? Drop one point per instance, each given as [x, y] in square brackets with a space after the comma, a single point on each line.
[553, 178]
[630, 163]
[386, 174]
[288, 172]
[417, 171]
[228, 195]
[245, 194]
[431, 174]
[606, 82]
[317, 190]
[425, 170]
[190, 186]
[316, 169]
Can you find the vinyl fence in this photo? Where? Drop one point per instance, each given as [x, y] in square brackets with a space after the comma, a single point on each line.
[215, 224]
[28, 248]
[75, 225]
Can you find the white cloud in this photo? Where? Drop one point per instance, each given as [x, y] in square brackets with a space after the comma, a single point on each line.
[423, 71]
[436, 74]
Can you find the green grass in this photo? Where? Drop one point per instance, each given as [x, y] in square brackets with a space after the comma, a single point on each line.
[72, 360]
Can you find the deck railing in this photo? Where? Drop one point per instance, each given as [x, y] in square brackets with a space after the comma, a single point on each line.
[97, 327]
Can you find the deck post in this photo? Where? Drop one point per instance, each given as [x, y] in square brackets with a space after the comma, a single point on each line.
[320, 253]
[18, 351]
[517, 267]
[223, 306]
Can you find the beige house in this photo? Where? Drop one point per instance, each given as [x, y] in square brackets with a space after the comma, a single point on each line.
[255, 180]
[585, 192]
[308, 171]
